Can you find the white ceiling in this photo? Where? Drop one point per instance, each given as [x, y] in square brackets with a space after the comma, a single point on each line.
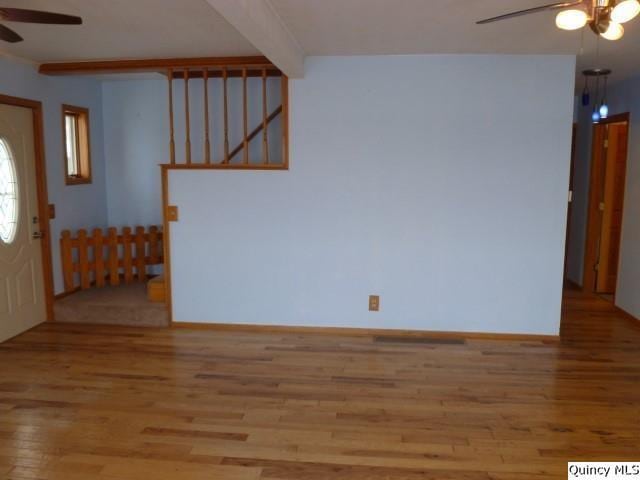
[115, 29]
[370, 27]
[126, 29]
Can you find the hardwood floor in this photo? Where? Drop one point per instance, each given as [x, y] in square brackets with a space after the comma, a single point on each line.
[97, 402]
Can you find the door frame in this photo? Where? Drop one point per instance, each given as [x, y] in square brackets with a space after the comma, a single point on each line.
[43, 197]
[593, 213]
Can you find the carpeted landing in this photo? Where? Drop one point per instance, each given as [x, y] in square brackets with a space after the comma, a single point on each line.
[121, 305]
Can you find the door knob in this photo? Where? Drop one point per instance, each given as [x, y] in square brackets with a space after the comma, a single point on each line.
[37, 235]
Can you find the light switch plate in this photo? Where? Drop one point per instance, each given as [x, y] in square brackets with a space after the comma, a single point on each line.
[172, 213]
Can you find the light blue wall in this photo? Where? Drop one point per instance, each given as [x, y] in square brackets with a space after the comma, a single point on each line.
[623, 97]
[77, 206]
[137, 136]
[437, 182]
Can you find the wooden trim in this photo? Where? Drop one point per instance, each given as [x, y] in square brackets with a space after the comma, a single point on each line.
[363, 332]
[617, 118]
[265, 120]
[255, 132]
[60, 296]
[151, 65]
[43, 197]
[172, 142]
[226, 116]
[231, 73]
[285, 121]
[207, 140]
[166, 243]
[224, 166]
[187, 119]
[593, 213]
[633, 320]
[245, 120]
[83, 144]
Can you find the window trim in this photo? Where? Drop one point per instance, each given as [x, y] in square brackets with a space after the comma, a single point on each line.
[84, 150]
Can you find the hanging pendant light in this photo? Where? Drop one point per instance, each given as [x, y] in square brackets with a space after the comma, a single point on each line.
[595, 115]
[604, 108]
[585, 92]
[600, 108]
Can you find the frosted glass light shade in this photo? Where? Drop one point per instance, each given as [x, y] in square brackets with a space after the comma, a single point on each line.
[571, 19]
[595, 116]
[604, 110]
[614, 32]
[625, 11]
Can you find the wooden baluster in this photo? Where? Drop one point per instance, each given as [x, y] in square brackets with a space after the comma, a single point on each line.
[285, 119]
[67, 260]
[98, 257]
[126, 256]
[172, 143]
[154, 245]
[160, 247]
[141, 269]
[226, 116]
[83, 257]
[187, 124]
[207, 141]
[245, 120]
[114, 270]
[265, 124]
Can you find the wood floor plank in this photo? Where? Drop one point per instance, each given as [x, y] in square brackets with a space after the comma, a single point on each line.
[105, 403]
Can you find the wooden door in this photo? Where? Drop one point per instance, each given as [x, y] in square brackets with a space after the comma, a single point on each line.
[22, 292]
[611, 207]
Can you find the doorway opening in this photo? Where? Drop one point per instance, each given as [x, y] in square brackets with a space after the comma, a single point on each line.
[606, 203]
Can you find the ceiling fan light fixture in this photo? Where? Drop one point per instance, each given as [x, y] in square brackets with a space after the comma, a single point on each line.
[571, 19]
[614, 32]
[625, 11]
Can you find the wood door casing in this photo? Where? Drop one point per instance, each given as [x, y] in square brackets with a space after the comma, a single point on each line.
[613, 202]
[597, 204]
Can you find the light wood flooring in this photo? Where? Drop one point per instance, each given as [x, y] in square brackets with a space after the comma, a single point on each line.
[97, 402]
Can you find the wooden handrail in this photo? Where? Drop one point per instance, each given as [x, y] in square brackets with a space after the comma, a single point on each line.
[154, 65]
[255, 132]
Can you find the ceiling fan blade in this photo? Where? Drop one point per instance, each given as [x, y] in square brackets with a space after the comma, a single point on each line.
[551, 6]
[9, 35]
[36, 16]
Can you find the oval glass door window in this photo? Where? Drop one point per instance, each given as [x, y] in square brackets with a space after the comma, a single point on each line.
[8, 194]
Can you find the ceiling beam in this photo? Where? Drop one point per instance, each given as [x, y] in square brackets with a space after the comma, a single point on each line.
[257, 21]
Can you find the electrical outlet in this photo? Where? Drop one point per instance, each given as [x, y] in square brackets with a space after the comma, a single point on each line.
[374, 303]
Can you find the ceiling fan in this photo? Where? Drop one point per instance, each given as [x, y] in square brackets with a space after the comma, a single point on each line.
[31, 16]
[604, 17]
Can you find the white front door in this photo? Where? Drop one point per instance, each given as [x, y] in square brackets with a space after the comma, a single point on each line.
[22, 297]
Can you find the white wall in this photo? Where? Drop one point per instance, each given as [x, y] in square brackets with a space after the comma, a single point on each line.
[137, 136]
[77, 206]
[437, 182]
